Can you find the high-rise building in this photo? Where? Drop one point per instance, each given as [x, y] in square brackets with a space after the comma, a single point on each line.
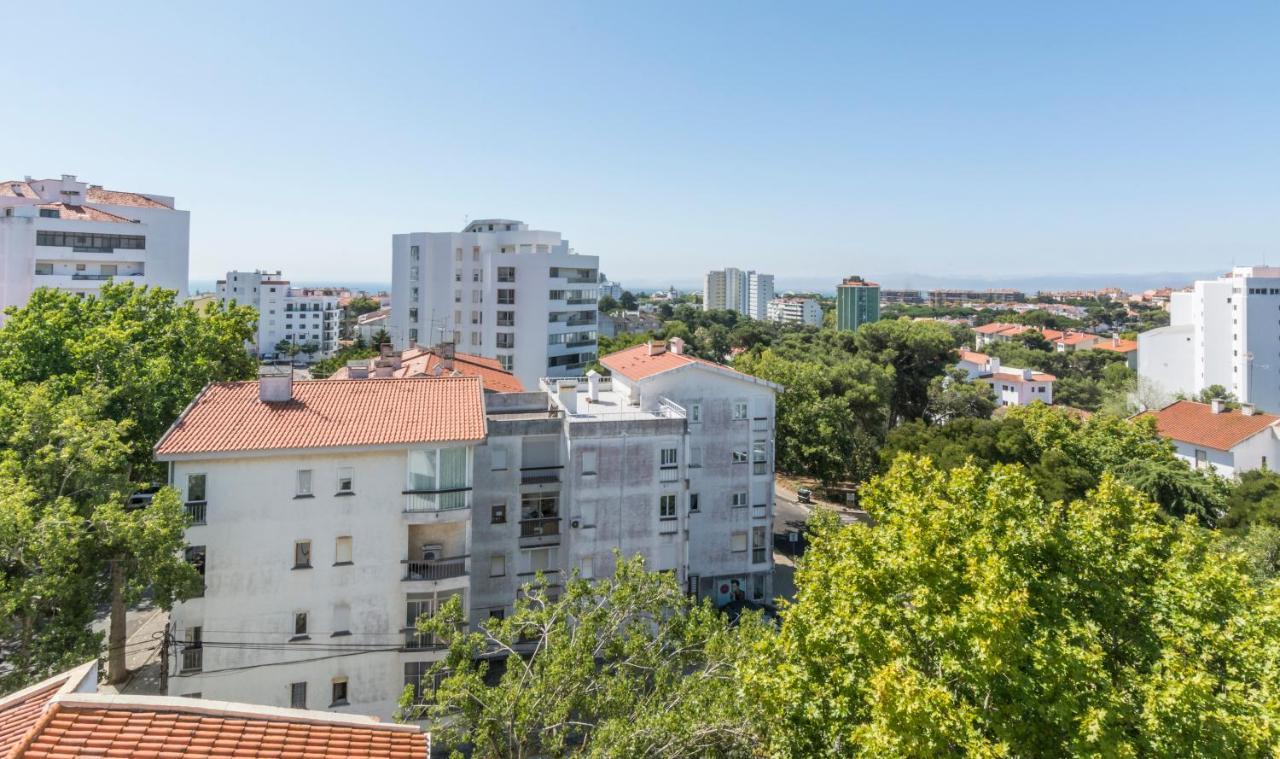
[302, 317]
[337, 512]
[500, 290]
[74, 236]
[746, 292]
[857, 303]
[795, 310]
[1223, 331]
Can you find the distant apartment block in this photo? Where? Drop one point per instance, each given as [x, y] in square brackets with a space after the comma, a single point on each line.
[746, 292]
[947, 297]
[857, 303]
[301, 317]
[338, 512]
[795, 310]
[903, 297]
[73, 236]
[1012, 386]
[605, 286]
[497, 289]
[1223, 331]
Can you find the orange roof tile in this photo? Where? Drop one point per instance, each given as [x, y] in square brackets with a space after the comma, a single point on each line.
[228, 416]
[636, 364]
[992, 328]
[1075, 338]
[974, 357]
[1016, 376]
[1119, 346]
[1195, 423]
[18, 717]
[118, 198]
[83, 213]
[417, 363]
[12, 189]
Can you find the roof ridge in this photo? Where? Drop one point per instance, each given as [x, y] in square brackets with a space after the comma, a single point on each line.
[231, 709]
[37, 727]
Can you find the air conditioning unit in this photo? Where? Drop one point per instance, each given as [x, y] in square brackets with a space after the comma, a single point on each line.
[432, 552]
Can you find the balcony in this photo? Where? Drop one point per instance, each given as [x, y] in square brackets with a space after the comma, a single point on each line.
[196, 511]
[540, 475]
[544, 531]
[192, 659]
[669, 474]
[437, 569]
[432, 501]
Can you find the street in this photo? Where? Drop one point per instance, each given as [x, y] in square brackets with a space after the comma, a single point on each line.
[789, 517]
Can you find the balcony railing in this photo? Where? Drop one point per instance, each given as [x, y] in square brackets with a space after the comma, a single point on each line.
[439, 569]
[192, 659]
[196, 511]
[542, 531]
[534, 475]
[417, 501]
[669, 474]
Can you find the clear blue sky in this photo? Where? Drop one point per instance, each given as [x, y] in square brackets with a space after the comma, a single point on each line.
[668, 138]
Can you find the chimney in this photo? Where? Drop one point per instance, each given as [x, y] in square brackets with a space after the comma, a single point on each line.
[1247, 409]
[1215, 406]
[1026, 374]
[388, 355]
[1115, 339]
[567, 392]
[357, 370]
[657, 347]
[275, 384]
[676, 345]
[446, 351]
[593, 386]
[384, 368]
[993, 364]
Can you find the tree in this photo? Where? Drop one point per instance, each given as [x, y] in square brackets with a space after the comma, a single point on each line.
[381, 338]
[628, 300]
[282, 348]
[627, 666]
[978, 619]
[360, 305]
[918, 351]
[1215, 393]
[90, 386]
[953, 396]
[327, 366]
[607, 304]
[309, 348]
[1253, 501]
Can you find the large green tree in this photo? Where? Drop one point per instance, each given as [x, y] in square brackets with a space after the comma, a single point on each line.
[626, 666]
[918, 351]
[978, 618]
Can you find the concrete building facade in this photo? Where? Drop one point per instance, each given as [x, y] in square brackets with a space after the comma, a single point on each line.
[497, 289]
[299, 316]
[795, 310]
[746, 292]
[857, 303]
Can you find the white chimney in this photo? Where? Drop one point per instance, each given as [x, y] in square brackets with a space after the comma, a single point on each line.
[993, 364]
[1247, 409]
[1026, 374]
[657, 347]
[676, 345]
[593, 386]
[1115, 339]
[389, 355]
[1215, 406]
[275, 384]
[567, 392]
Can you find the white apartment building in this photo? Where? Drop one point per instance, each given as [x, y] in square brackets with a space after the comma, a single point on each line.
[795, 310]
[1213, 436]
[1221, 332]
[1012, 386]
[497, 289]
[330, 514]
[300, 316]
[74, 236]
[747, 292]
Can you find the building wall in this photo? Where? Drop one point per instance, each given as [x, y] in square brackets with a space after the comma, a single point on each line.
[1166, 360]
[856, 305]
[284, 313]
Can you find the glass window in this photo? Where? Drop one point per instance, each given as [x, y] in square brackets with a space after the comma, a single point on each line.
[498, 513]
[760, 457]
[739, 457]
[341, 618]
[298, 695]
[342, 550]
[301, 554]
[695, 413]
[304, 482]
[739, 409]
[498, 458]
[339, 691]
[759, 545]
[588, 462]
[346, 479]
[299, 623]
[669, 458]
[738, 542]
[195, 487]
[667, 506]
[498, 565]
[693, 502]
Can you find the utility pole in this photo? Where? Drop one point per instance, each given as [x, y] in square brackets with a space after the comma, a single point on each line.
[116, 669]
[164, 661]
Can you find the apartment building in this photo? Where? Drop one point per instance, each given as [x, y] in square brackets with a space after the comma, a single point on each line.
[951, 297]
[795, 310]
[497, 289]
[746, 292]
[857, 303]
[903, 297]
[1224, 331]
[1012, 386]
[67, 234]
[331, 514]
[302, 317]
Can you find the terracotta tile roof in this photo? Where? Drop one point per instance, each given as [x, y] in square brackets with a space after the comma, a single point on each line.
[228, 416]
[12, 189]
[1052, 335]
[1195, 423]
[1075, 338]
[118, 198]
[974, 357]
[636, 364]
[417, 363]
[19, 716]
[1119, 346]
[83, 213]
[992, 328]
[1009, 374]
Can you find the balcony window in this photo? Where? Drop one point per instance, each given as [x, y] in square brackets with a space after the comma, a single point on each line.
[441, 476]
[506, 274]
[759, 457]
[302, 554]
[506, 318]
[667, 507]
[505, 340]
[759, 545]
[506, 297]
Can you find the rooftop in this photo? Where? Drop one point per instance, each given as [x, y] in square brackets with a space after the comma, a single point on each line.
[83, 213]
[857, 282]
[1195, 423]
[645, 360]
[65, 717]
[427, 362]
[230, 416]
[605, 404]
[1117, 344]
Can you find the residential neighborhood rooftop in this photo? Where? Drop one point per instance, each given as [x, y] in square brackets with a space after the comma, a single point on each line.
[427, 362]
[1198, 424]
[657, 356]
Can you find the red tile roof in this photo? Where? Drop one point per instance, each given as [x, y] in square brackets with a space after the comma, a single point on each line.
[1119, 346]
[118, 198]
[1075, 338]
[228, 416]
[636, 363]
[1195, 423]
[417, 363]
[973, 357]
[54, 721]
[83, 213]
[1008, 374]
[12, 189]
[992, 328]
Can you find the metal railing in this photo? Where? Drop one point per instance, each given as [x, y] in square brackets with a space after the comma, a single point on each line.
[533, 475]
[669, 474]
[196, 511]
[543, 529]
[449, 500]
[439, 569]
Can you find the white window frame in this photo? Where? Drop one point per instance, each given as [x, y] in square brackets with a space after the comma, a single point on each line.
[304, 483]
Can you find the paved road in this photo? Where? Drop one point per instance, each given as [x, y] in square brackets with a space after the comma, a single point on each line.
[789, 515]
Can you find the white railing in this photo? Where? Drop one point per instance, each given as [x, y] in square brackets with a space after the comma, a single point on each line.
[449, 501]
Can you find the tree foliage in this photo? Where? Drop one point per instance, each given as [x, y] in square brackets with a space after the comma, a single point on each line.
[918, 351]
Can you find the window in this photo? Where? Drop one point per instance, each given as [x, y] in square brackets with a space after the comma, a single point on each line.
[477, 317]
[586, 568]
[339, 691]
[506, 274]
[759, 457]
[342, 550]
[738, 499]
[457, 254]
[669, 458]
[302, 554]
[298, 695]
[588, 462]
[299, 624]
[506, 297]
[738, 542]
[304, 483]
[506, 340]
[195, 487]
[498, 565]
[497, 614]
[667, 507]
[498, 513]
[476, 339]
[457, 296]
[695, 413]
[415, 676]
[542, 559]
[413, 253]
[739, 409]
[508, 362]
[739, 457]
[506, 318]
[1202, 458]
[341, 619]
[498, 459]
[758, 545]
[91, 242]
[693, 503]
[695, 457]
[346, 479]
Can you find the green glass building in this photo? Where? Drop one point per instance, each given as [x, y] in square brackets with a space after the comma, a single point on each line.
[857, 303]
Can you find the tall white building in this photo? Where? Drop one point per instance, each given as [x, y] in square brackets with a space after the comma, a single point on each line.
[74, 236]
[1224, 332]
[795, 310]
[747, 292]
[333, 513]
[501, 290]
[301, 316]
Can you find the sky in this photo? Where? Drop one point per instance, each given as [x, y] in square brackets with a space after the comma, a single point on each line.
[809, 140]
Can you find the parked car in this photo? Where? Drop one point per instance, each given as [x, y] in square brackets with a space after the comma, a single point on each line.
[804, 495]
